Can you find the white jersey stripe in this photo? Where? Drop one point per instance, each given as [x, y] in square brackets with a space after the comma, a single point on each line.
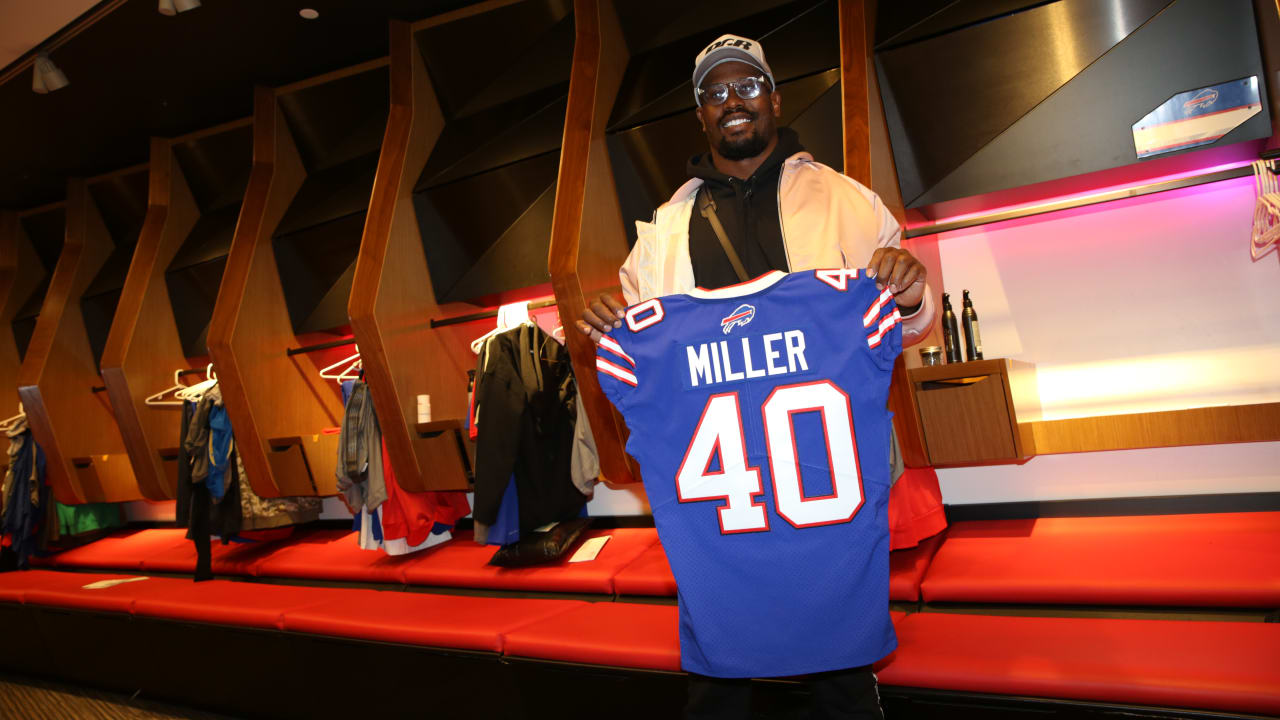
[886, 324]
[870, 316]
[620, 373]
[612, 346]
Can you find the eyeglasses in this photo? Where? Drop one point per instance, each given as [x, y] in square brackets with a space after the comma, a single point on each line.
[747, 88]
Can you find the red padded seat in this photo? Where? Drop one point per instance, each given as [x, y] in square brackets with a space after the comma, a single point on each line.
[332, 555]
[618, 634]
[225, 602]
[449, 621]
[124, 550]
[907, 568]
[53, 588]
[463, 563]
[240, 559]
[15, 585]
[648, 574]
[1229, 666]
[1220, 559]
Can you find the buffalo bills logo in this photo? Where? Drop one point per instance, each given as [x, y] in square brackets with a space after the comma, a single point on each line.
[741, 316]
[1203, 99]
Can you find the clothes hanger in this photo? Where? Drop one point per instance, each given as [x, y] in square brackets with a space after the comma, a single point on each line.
[197, 391]
[348, 364]
[8, 423]
[155, 401]
[511, 315]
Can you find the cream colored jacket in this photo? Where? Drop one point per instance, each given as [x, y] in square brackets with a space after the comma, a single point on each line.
[828, 221]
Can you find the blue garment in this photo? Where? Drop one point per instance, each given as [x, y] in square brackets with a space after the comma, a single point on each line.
[347, 386]
[21, 519]
[219, 451]
[506, 527]
[757, 413]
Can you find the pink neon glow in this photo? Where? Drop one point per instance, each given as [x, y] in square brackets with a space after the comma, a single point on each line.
[1084, 194]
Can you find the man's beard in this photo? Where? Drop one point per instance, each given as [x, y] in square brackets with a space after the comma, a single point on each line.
[748, 147]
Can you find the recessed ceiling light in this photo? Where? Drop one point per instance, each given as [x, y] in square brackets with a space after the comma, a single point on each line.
[309, 13]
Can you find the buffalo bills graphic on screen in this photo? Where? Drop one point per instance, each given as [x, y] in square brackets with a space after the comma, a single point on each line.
[757, 413]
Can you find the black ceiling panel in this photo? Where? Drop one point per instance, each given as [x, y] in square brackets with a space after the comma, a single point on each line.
[330, 194]
[209, 239]
[462, 221]
[216, 167]
[47, 231]
[339, 120]
[122, 202]
[516, 259]
[136, 74]
[901, 23]
[487, 60]
[799, 38]
[312, 263]
[649, 24]
[193, 291]
[947, 97]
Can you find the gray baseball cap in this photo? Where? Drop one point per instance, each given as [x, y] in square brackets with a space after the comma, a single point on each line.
[729, 48]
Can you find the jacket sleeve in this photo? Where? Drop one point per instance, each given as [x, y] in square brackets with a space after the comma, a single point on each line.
[628, 274]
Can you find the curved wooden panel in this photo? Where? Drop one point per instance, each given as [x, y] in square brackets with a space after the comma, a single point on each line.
[17, 281]
[85, 453]
[588, 240]
[868, 159]
[143, 349]
[278, 404]
[392, 298]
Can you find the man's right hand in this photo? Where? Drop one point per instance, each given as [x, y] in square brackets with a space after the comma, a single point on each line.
[602, 315]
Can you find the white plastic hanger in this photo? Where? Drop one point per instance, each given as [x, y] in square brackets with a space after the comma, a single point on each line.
[155, 401]
[350, 368]
[510, 316]
[197, 391]
[8, 423]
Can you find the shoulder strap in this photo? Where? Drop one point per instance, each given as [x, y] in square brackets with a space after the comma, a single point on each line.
[707, 206]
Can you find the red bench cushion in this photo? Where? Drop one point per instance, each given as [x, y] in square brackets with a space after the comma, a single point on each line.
[225, 602]
[617, 634]
[332, 555]
[66, 590]
[240, 559]
[450, 621]
[463, 563]
[124, 550]
[1221, 559]
[648, 574]
[907, 568]
[1232, 666]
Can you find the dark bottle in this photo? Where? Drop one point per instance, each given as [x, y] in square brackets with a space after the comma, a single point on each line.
[972, 338]
[950, 333]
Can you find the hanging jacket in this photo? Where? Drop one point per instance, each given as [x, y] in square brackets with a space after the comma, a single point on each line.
[525, 411]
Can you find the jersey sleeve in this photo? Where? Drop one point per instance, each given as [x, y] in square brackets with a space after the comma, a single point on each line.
[882, 323]
[616, 369]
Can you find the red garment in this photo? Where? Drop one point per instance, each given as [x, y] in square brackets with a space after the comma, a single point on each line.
[412, 515]
[915, 508]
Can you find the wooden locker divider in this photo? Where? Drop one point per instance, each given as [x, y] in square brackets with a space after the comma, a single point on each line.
[143, 348]
[74, 425]
[588, 240]
[869, 160]
[278, 404]
[16, 284]
[392, 297]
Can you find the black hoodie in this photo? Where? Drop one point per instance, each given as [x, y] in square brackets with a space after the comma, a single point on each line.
[748, 209]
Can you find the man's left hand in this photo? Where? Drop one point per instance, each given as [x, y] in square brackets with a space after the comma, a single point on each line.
[901, 272]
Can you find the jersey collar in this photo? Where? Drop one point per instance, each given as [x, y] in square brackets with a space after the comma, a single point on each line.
[750, 287]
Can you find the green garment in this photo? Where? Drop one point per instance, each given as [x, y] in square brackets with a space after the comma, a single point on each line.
[77, 519]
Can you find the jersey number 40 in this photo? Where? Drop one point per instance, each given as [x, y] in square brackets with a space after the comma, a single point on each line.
[719, 432]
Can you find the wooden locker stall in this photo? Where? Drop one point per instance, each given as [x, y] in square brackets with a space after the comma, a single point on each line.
[288, 274]
[460, 215]
[21, 275]
[588, 239]
[70, 415]
[187, 225]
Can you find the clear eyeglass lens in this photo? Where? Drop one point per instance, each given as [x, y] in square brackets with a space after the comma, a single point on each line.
[746, 88]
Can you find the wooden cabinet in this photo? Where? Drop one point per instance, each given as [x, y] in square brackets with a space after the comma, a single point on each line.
[977, 412]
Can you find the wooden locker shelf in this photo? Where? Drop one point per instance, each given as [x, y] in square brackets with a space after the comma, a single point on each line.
[970, 411]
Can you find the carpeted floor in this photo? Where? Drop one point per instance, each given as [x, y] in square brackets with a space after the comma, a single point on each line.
[33, 699]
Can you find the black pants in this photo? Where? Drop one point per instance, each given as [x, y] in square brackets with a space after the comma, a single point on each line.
[850, 693]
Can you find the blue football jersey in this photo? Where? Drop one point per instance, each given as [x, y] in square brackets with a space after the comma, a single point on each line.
[758, 416]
